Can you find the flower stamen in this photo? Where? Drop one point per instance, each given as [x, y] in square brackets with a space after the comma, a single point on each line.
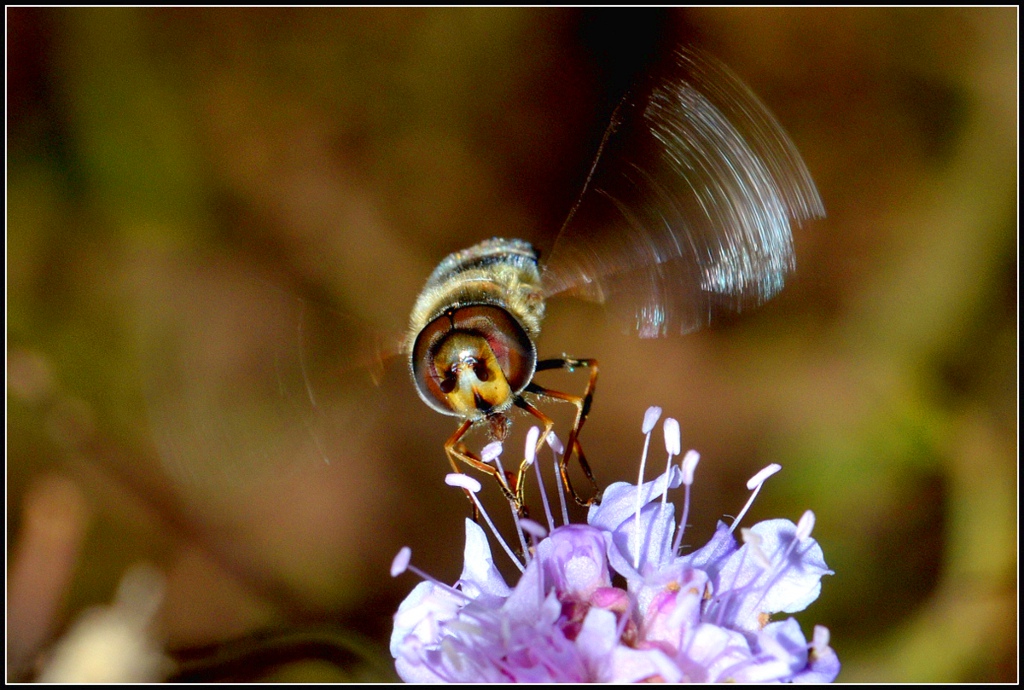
[492, 452]
[672, 445]
[401, 563]
[650, 419]
[534, 529]
[472, 486]
[689, 465]
[543, 490]
[820, 640]
[557, 449]
[754, 484]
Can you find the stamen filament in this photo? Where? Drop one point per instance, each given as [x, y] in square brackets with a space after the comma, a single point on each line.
[492, 452]
[544, 498]
[690, 461]
[540, 479]
[556, 450]
[401, 564]
[472, 486]
[650, 419]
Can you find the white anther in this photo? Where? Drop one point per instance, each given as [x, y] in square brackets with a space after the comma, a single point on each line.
[755, 484]
[533, 528]
[491, 451]
[759, 478]
[651, 418]
[672, 443]
[401, 561]
[690, 461]
[555, 443]
[531, 444]
[463, 481]
[754, 542]
[804, 527]
[821, 638]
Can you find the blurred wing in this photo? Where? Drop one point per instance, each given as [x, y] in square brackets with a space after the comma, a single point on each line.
[244, 379]
[688, 206]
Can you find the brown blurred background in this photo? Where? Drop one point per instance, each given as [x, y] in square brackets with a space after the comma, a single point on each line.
[178, 179]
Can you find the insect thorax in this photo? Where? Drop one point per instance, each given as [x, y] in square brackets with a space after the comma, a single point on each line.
[498, 272]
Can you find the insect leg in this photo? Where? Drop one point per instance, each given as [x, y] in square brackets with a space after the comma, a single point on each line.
[582, 404]
[457, 450]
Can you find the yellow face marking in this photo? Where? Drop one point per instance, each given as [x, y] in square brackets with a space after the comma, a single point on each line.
[471, 380]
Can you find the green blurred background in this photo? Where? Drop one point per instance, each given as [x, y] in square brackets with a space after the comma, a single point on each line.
[337, 154]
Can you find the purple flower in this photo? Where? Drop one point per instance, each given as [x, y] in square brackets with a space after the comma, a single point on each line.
[703, 617]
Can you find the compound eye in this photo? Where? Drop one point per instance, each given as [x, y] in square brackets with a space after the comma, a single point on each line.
[504, 359]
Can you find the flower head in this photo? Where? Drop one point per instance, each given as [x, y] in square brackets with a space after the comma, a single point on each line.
[702, 617]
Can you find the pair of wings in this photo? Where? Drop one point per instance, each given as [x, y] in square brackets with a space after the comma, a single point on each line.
[687, 211]
[688, 206]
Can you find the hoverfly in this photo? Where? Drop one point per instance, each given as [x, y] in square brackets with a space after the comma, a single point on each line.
[686, 210]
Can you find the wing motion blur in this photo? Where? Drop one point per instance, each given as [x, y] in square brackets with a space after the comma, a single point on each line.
[244, 377]
[688, 207]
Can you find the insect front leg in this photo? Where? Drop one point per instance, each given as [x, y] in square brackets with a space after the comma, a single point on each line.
[457, 451]
[582, 404]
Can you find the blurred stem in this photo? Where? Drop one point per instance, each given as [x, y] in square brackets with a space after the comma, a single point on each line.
[42, 565]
